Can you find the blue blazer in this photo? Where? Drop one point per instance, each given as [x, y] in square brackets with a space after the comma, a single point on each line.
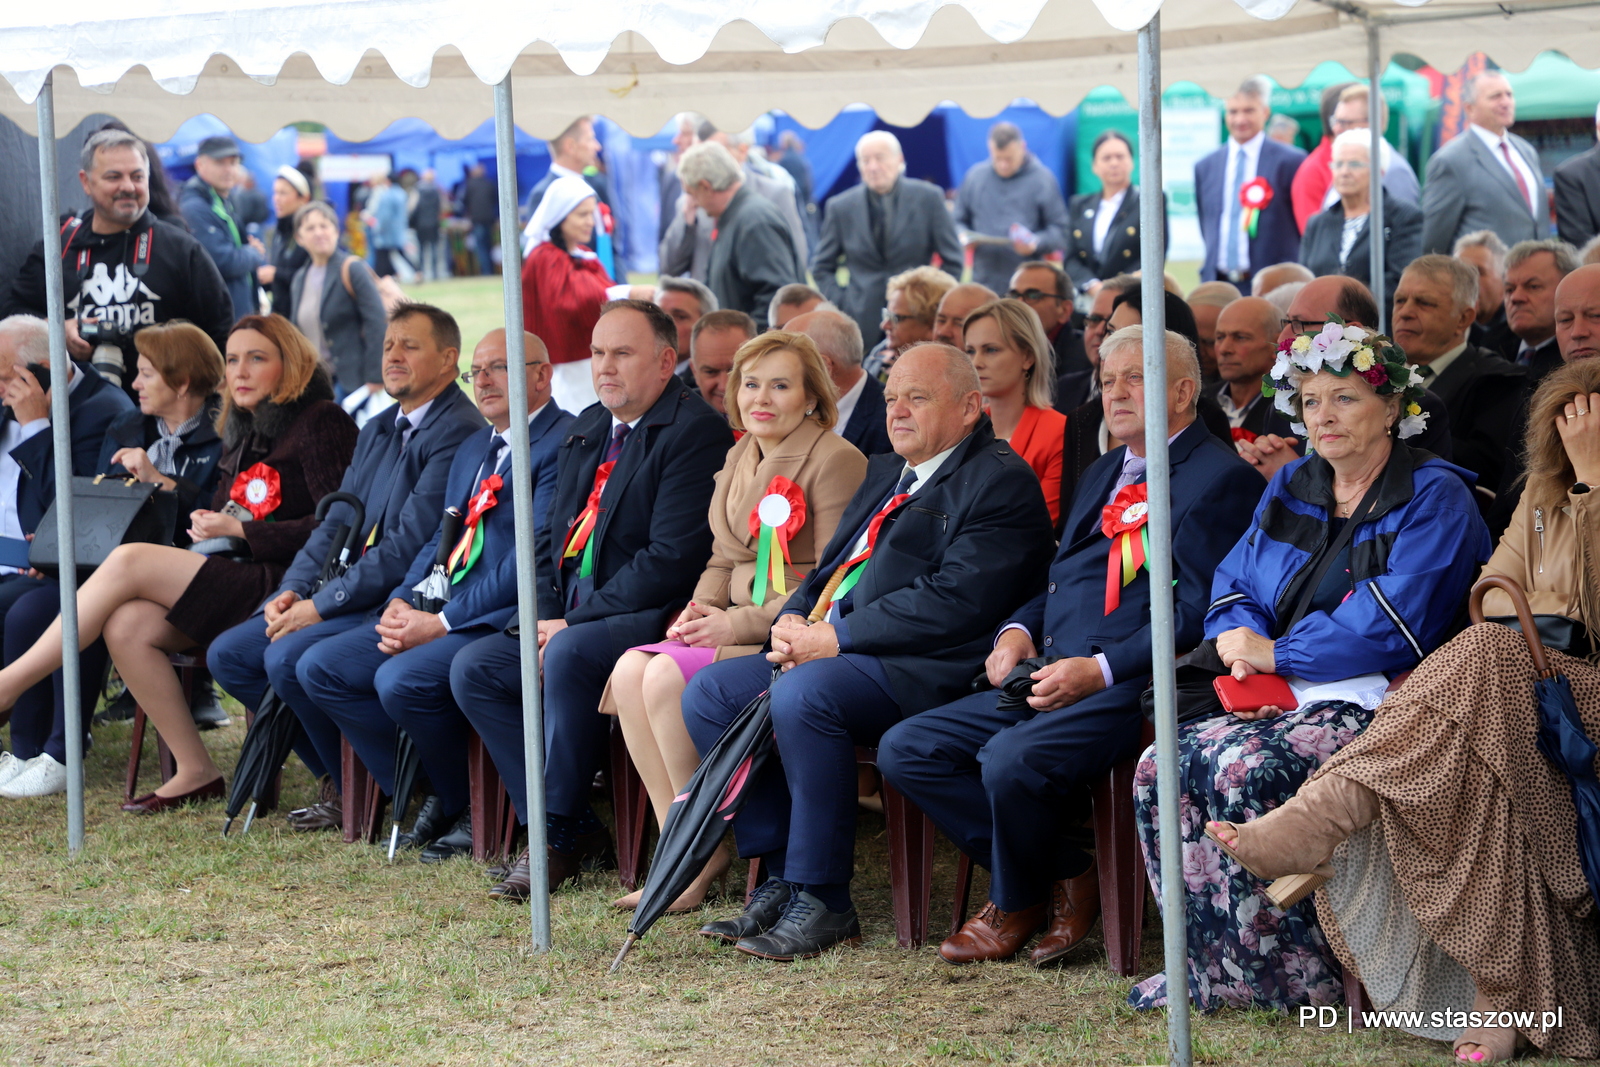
[1214, 495]
[92, 407]
[1277, 238]
[487, 594]
[410, 503]
[950, 563]
[867, 427]
[652, 539]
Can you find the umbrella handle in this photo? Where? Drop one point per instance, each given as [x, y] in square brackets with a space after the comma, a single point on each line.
[828, 590]
[1519, 603]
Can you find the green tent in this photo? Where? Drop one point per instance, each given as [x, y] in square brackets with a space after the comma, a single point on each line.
[1554, 87]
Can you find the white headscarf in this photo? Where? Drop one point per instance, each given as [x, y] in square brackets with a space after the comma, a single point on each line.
[561, 198]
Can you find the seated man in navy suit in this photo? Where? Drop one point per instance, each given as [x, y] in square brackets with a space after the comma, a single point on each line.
[634, 477]
[945, 538]
[368, 683]
[402, 459]
[838, 338]
[1004, 778]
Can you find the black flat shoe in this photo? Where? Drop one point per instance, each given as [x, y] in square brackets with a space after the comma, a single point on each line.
[457, 842]
[430, 825]
[766, 907]
[119, 710]
[807, 929]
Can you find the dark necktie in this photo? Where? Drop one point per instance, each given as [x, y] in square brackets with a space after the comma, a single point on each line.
[1426, 371]
[491, 461]
[618, 436]
[1522, 185]
[383, 485]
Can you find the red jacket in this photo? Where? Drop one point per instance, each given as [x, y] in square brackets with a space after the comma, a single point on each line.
[1311, 183]
[561, 296]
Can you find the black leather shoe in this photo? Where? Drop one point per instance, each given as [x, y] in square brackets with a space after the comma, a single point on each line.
[119, 710]
[760, 915]
[455, 843]
[430, 825]
[207, 710]
[807, 929]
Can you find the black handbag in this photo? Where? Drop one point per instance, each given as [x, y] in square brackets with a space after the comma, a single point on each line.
[1197, 696]
[106, 513]
[1557, 632]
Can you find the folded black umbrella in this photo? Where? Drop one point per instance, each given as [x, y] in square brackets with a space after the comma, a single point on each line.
[1018, 686]
[699, 815]
[407, 762]
[266, 746]
[1561, 738]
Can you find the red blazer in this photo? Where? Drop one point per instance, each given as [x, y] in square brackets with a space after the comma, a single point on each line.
[1040, 439]
[561, 296]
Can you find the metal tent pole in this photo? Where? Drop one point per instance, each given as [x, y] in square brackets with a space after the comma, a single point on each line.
[1158, 473]
[61, 430]
[1375, 177]
[505, 150]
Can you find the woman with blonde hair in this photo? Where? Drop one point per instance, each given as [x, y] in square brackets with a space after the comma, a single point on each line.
[911, 303]
[778, 498]
[286, 444]
[1017, 373]
[1448, 843]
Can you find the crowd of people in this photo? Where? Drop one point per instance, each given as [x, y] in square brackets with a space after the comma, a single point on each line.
[921, 531]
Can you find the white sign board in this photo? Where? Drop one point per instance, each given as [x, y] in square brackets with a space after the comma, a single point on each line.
[351, 168]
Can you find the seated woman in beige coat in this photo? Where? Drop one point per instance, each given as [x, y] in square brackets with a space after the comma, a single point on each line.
[777, 501]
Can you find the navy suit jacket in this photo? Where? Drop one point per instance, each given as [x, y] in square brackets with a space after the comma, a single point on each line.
[867, 427]
[487, 594]
[949, 564]
[1214, 496]
[1277, 238]
[92, 407]
[652, 539]
[410, 502]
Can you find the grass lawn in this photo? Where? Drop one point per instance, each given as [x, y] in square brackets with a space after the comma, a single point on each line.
[164, 944]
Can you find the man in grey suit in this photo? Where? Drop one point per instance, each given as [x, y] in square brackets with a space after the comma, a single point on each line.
[1578, 195]
[753, 255]
[887, 224]
[1487, 178]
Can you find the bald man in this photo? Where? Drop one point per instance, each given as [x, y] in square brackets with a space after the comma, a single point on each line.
[962, 538]
[1578, 314]
[1246, 344]
[954, 307]
[395, 671]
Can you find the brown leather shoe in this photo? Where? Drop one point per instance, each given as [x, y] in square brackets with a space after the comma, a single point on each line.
[1074, 906]
[516, 884]
[319, 816]
[992, 934]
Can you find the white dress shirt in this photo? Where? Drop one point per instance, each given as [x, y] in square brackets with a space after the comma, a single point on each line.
[1252, 164]
[1102, 220]
[847, 403]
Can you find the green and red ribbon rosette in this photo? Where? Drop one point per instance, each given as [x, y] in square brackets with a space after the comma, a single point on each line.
[1254, 197]
[1124, 520]
[775, 520]
[580, 535]
[470, 547]
[258, 490]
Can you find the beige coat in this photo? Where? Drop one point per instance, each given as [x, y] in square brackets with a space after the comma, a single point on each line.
[1557, 568]
[828, 470]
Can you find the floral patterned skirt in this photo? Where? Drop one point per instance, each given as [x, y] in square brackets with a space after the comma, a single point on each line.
[1243, 952]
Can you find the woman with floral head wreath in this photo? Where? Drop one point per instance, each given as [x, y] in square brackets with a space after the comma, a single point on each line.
[1356, 566]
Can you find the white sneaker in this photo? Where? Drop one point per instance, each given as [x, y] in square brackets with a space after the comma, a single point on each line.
[42, 776]
[10, 767]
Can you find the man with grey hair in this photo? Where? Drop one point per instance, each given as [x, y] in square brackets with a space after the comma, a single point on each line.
[1269, 278]
[713, 343]
[1533, 271]
[1485, 253]
[884, 226]
[753, 255]
[1009, 209]
[1236, 248]
[1009, 779]
[861, 407]
[944, 538]
[122, 268]
[686, 241]
[1486, 177]
[1577, 184]
[1434, 306]
[796, 298]
[685, 300]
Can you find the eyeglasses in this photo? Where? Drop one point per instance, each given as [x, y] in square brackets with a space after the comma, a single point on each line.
[1307, 325]
[1033, 296]
[493, 370]
[1095, 320]
[1348, 164]
[891, 317]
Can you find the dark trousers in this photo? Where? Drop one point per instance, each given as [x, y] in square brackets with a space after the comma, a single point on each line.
[38, 720]
[486, 678]
[245, 662]
[1003, 785]
[432, 255]
[368, 692]
[820, 712]
[483, 244]
[383, 261]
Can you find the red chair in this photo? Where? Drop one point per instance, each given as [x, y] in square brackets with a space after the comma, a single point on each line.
[360, 797]
[494, 820]
[168, 766]
[630, 805]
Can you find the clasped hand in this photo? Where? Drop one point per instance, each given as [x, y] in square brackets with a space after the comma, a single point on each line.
[205, 524]
[1245, 652]
[286, 613]
[1269, 453]
[701, 626]
[1055, 685]
[794, 641]
[404, 627]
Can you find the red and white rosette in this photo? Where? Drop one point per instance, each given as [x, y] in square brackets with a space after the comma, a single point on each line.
[257, 490]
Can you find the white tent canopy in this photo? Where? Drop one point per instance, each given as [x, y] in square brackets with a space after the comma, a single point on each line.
[356, 65]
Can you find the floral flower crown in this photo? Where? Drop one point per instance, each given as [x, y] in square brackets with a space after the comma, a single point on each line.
[1341, 350]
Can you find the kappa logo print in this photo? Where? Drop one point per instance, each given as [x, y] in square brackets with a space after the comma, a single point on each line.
[115, 297]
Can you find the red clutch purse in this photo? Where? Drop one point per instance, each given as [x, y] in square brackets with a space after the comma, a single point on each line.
[1255, 692]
